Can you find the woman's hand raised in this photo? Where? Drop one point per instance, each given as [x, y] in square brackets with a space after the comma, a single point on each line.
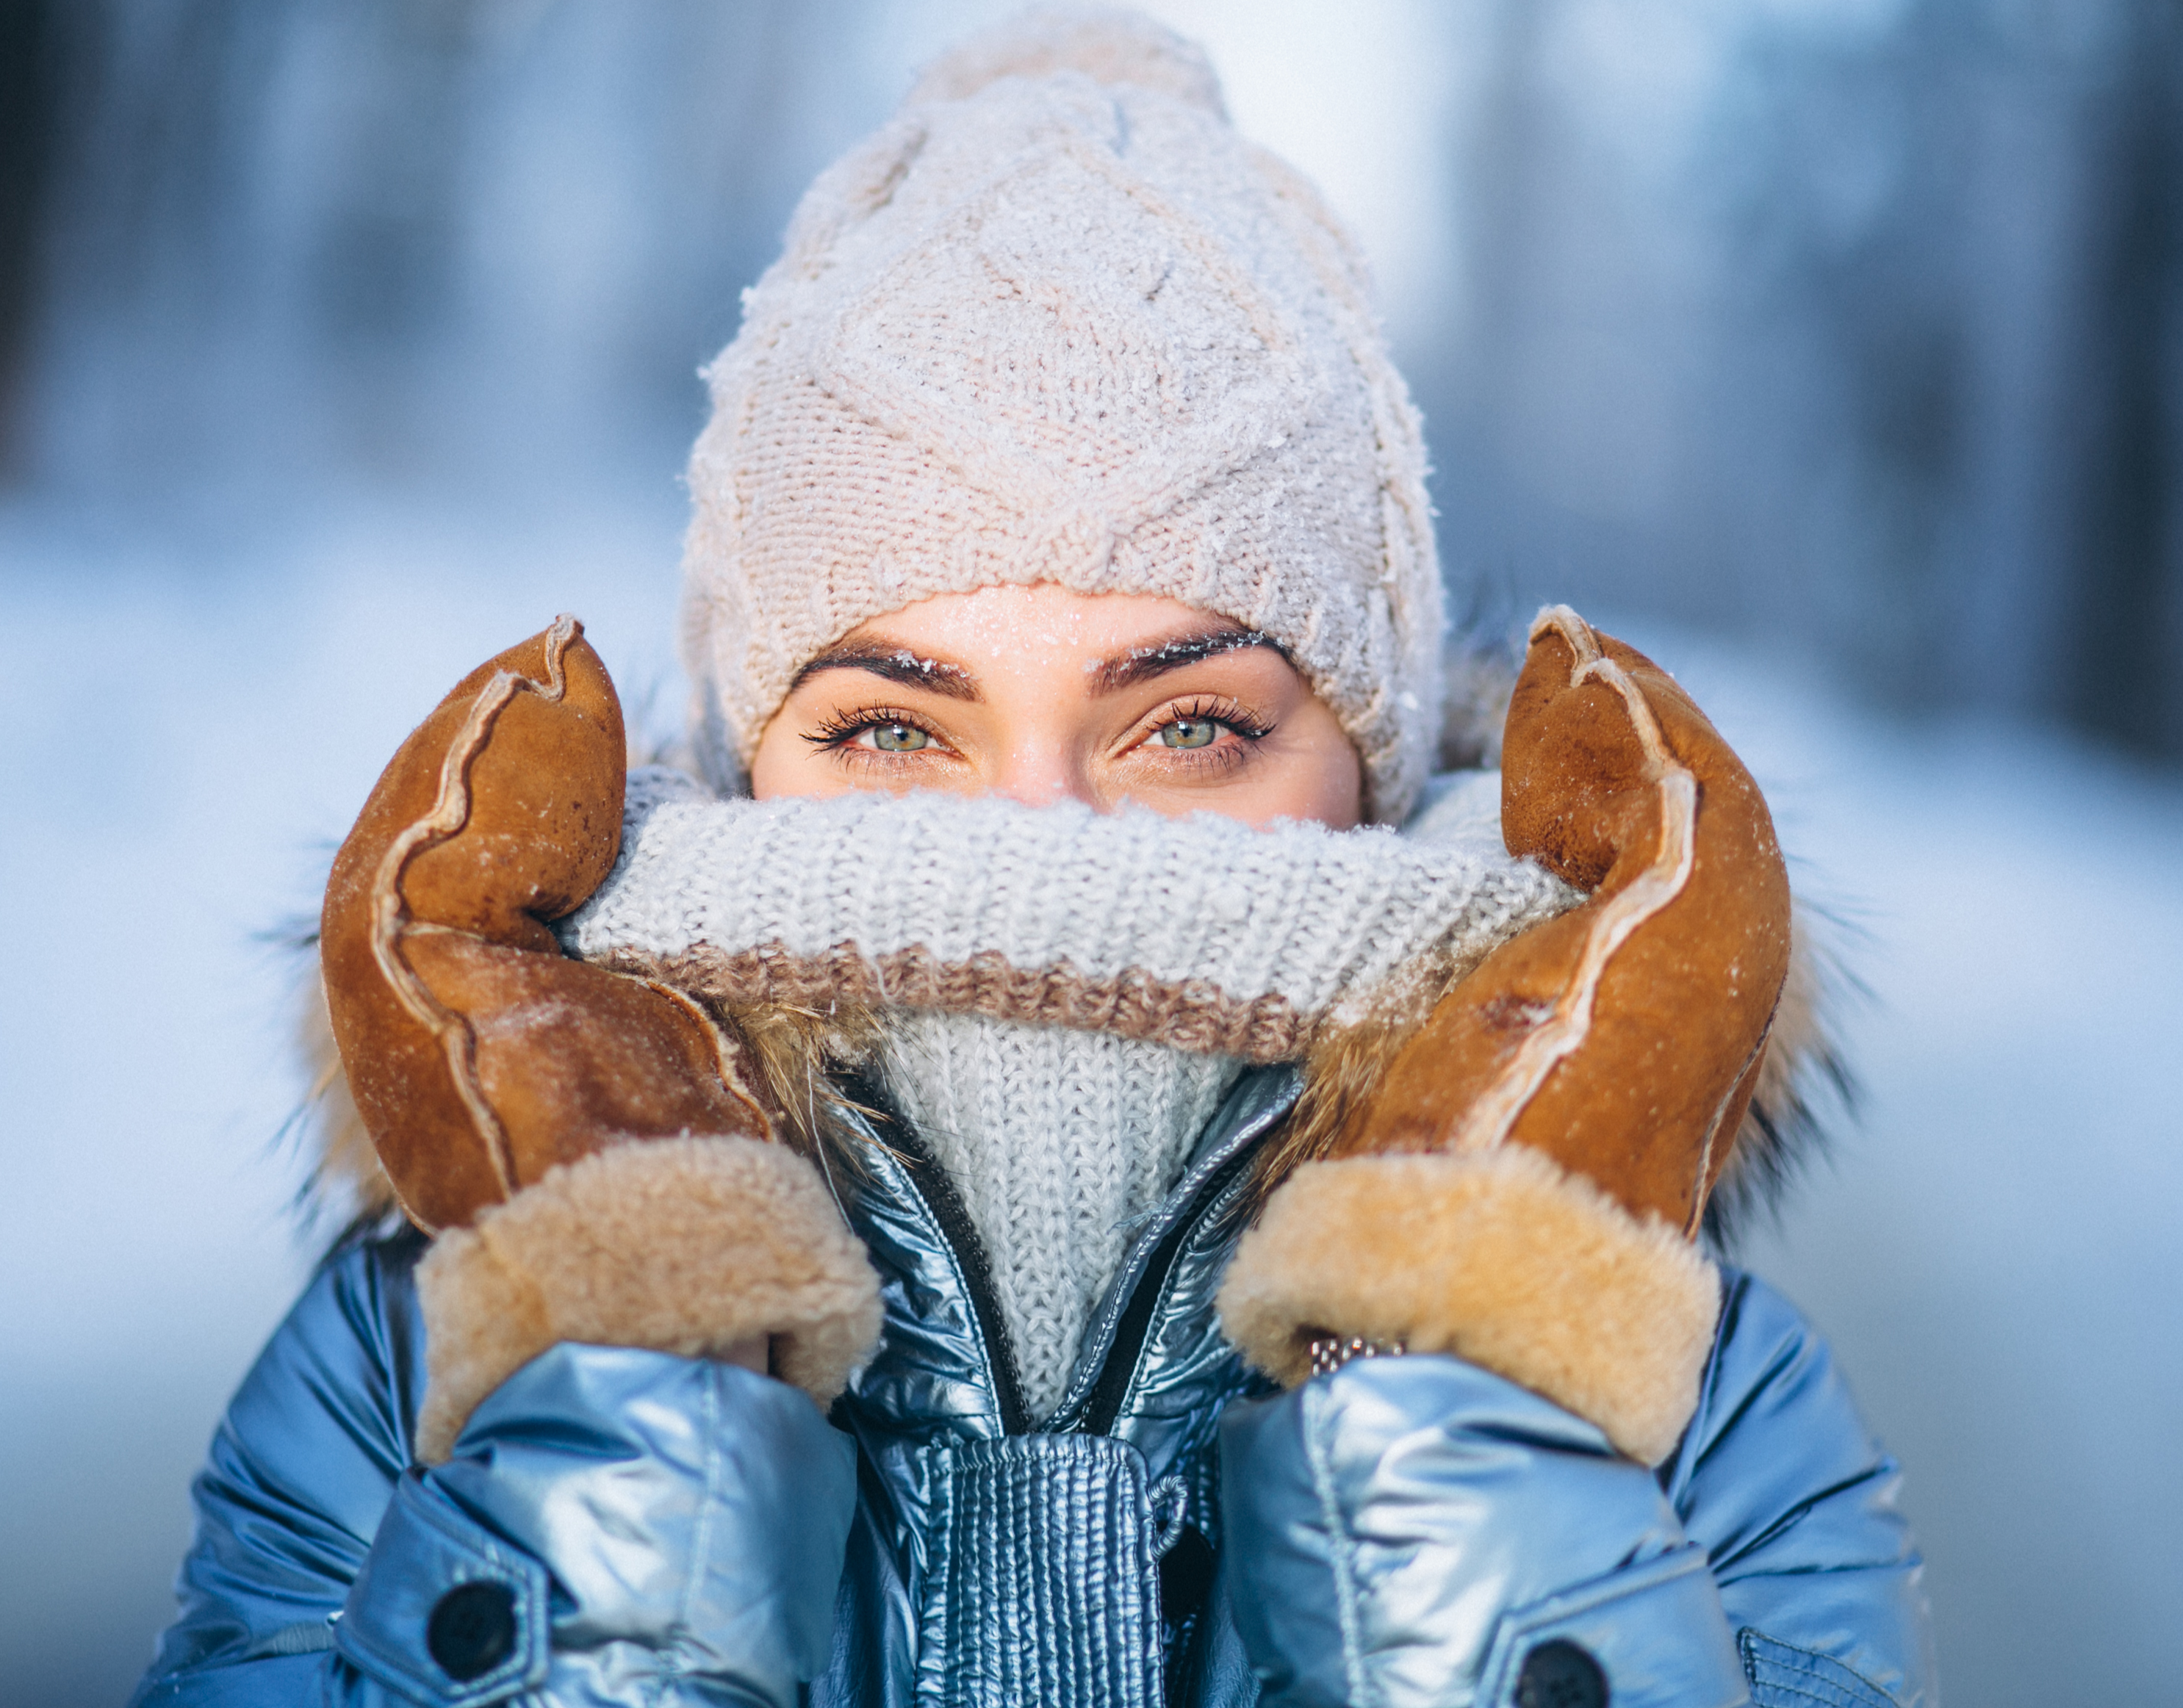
[479, 1054]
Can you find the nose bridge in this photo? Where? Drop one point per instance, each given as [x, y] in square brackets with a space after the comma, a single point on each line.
[1042, 730]
[1040, 765]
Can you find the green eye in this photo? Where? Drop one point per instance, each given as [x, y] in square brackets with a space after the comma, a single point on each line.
[899, 738]
[1187, 732]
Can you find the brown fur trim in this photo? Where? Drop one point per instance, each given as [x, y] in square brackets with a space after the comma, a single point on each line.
[346, 1182]
[1500, 1257]
[1805, 1083]
[796, 1054]
[683, 1246]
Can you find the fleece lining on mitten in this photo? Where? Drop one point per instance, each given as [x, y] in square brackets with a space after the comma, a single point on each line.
[684, 1245]
[1499, 1257]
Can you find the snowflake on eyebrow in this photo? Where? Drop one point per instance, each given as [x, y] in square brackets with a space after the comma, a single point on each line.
[1189, 648]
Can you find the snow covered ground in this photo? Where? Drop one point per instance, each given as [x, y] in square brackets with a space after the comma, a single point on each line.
[190, 722]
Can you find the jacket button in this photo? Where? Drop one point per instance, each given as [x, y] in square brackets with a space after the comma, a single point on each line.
[472, 1629]
[1560, 1675]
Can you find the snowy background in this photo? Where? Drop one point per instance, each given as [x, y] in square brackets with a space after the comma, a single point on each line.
[1830, 349]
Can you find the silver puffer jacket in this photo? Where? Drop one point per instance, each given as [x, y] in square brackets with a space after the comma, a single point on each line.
[621, 1527]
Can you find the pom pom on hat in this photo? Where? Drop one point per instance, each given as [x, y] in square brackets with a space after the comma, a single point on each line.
[1107, 46]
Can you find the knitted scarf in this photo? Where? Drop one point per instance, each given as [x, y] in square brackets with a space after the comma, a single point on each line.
[1065, 995]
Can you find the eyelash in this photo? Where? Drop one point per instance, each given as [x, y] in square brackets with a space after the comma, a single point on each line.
[1215, 709]
[839, 732]
[1229, 714]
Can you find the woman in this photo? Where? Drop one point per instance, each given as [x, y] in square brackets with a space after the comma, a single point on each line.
[1242, 1253]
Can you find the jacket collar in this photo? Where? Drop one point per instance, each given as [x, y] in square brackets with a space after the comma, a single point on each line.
[943, 1366]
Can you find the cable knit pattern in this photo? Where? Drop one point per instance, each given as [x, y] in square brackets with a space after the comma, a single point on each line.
[1199, 933]
[1058, 322]
[1058, 1142]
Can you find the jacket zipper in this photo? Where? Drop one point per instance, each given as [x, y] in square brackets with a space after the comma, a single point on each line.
[930, 1181]
[1103, 1404]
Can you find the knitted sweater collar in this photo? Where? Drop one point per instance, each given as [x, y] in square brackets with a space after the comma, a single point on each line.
[1064, 997]
[1058, 1143]
[1198, 933]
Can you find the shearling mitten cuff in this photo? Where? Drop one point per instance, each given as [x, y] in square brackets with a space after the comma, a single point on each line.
[1499, 1257]
[683, 1246]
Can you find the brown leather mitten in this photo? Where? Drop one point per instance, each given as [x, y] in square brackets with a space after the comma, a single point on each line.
[1525, 1184]
[503, 1083]
[478, 1054]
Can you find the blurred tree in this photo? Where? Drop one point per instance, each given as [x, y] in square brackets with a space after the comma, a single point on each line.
[29, 109]
[2126, 679]
[1848, 325]
[1857, 327]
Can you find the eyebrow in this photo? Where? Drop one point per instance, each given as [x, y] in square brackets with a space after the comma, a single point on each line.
[895, 664]
[1108, 676]
[1144, 663]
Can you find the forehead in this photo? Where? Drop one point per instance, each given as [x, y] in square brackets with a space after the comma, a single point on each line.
[997, 626]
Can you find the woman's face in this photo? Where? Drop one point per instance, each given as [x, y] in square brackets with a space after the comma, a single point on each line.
[1045, 695]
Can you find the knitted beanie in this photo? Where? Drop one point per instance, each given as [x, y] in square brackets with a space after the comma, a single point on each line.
[1058, 322]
